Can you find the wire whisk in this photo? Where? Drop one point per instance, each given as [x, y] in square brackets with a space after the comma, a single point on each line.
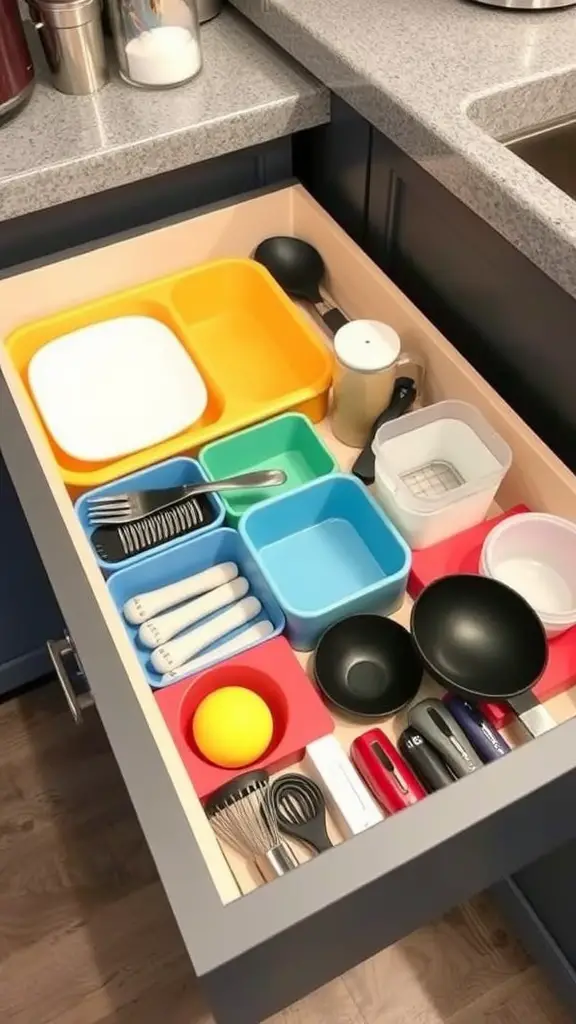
[242, 815]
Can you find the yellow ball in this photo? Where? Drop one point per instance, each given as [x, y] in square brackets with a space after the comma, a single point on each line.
[232, 727]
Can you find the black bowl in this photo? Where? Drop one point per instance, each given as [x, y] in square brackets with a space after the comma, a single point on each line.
[366, 665]
[479, 638]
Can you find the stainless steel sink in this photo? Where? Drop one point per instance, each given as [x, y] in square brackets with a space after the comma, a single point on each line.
[551, 150]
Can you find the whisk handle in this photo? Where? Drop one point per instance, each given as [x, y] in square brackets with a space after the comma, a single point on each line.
[276, 862]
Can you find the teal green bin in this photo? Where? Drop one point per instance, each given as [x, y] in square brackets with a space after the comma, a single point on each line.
[288, 442]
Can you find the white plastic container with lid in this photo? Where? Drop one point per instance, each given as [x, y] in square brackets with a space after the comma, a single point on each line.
[535, 554]
[437, 470]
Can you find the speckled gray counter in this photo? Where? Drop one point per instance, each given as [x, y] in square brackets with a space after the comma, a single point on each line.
[63, 147]
[414, 67]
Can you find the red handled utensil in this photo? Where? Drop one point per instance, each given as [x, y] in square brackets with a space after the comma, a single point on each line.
[390, 779]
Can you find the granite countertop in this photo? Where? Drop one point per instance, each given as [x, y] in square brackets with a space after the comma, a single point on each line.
[64, 147]
[414, 68]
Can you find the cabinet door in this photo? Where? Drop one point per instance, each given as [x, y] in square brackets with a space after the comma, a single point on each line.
[539, 906]
[548, 885]
[332, 161]
[29, 613]
[510, 320]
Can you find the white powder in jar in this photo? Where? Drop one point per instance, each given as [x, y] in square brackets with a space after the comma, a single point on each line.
[163, 56]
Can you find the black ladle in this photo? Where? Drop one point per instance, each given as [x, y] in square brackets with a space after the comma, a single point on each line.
[299, 269]
[300, 809]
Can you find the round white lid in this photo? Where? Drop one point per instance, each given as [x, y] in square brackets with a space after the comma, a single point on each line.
[367, 346]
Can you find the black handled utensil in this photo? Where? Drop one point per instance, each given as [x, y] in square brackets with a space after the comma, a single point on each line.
[432, 719]
[300, 810]
[487, 742]
[115, 543]
[403, 397]
[426, 764]
[299, 269]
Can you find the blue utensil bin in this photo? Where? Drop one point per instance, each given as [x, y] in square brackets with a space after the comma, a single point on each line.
[326, 551]
[186, 559]
[171, 473]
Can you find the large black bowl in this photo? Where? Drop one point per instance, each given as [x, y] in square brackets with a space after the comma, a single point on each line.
[478, 638]
[367, 665]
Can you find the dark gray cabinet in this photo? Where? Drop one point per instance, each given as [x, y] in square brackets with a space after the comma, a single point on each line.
[549, 886]
[539, 907]
[509, 320]
[514, 324]
[333, 162]
[92, 219]
[518, 328]
[29, 613]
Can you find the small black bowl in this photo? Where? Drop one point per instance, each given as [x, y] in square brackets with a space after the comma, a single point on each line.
[478, 638]
[367, 665]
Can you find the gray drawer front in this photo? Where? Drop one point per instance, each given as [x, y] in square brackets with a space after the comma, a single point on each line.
[411, 890]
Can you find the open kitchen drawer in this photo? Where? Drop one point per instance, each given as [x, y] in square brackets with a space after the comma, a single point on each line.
[260, 951]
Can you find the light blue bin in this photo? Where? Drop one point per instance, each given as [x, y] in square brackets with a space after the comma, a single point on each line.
[171, 473]
[326, 551]
[190, 557]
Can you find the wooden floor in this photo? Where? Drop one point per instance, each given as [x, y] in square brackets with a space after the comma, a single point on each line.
[87, 936]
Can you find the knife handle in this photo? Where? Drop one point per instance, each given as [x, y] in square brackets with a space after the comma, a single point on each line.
[440, 728]
[486, 741]
[426, 764]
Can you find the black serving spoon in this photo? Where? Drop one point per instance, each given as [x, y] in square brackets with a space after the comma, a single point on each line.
[299, 269]
[300, 810]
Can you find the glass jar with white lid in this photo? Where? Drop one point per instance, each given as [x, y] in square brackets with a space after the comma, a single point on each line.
[157, 41]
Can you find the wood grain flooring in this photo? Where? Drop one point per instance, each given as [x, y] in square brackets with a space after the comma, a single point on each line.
[87, 936]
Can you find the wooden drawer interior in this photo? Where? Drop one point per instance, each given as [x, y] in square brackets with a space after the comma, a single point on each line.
[537, 478]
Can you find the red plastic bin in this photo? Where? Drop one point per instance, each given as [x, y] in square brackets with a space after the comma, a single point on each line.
[275, 674]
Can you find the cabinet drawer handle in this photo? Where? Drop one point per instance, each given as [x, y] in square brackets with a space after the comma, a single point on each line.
[77, 702]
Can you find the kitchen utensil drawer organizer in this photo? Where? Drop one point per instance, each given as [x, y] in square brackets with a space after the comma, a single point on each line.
[261, 951]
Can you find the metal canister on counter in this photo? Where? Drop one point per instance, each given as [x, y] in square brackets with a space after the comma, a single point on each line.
[73, 42]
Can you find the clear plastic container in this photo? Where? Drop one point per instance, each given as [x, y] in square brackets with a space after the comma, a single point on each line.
[157, 41]
[437, 470]
[535, 554]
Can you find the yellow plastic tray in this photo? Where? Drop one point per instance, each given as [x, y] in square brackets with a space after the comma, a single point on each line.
[257, 352]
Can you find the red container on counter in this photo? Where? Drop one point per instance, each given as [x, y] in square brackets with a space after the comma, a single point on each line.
[16, 68]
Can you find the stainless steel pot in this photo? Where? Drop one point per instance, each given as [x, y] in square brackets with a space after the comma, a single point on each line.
[208, 9]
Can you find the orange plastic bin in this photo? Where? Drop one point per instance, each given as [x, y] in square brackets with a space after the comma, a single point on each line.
[255, 349]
